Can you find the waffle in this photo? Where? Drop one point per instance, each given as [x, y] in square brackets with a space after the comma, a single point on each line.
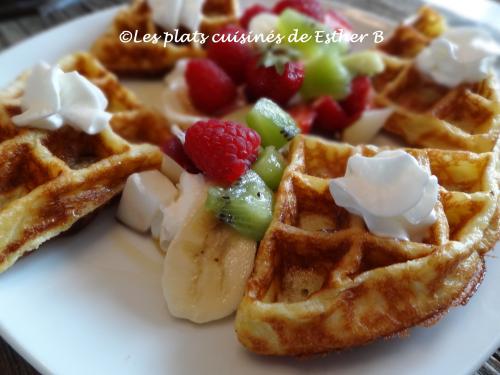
[322, 282]
[148, 59]
[51, 179]
[427, 114]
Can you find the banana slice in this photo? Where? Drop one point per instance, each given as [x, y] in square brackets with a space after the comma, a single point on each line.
[169, 220]
[206, 268]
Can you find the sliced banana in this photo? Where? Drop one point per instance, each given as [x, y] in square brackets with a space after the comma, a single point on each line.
[206, 268]
[169, 219]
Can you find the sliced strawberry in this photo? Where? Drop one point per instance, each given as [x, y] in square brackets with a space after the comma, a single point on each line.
[304, 115]
[358, 99]
[251, 12]
[330, 116]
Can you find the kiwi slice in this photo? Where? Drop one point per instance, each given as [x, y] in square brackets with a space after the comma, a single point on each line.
[247, 205]
[325, 74]
[366, 63]
[270, 167]
[274, 125]
[294, 26]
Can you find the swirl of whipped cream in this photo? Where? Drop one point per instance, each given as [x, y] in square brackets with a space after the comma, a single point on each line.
[462, 54]
[53, 98]
[391, 191]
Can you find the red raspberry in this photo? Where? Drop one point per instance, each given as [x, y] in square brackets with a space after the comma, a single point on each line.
[304, 115]
[222, 150]
[267, 82]
[174, 148]
[250, 13]
[356, 102]
[209, 87]
[311, 8]
[331, 116]
[335, 21]
[232, 57]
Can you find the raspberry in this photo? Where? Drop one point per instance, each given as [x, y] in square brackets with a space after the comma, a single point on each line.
[210, 88]
[335, 21]
[250, 13]
[174, 148]
[304, 115]
[331, 116]
[222, 150]
[356, 102]
[311, 8]
[267, 82]
[232, 57]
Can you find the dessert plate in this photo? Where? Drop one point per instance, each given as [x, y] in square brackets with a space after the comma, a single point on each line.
[92, 302]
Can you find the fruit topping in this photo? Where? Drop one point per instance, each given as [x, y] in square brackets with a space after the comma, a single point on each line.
[330, 116]
[232, 56]
[326, 75]
[304, 116]
[302, 33]
[334, 116]
[275, 76]
[310, 8]
[270, 167]
[175, 149]
[357, 100]
[247, 205]
[367, 63]
[222, 150]
[210, 88]
[275, 126]
[250, 13]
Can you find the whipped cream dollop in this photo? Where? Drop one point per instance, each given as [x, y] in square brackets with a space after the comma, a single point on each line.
[459, 55]
[391, 191]
[53, 98]
[170, 14]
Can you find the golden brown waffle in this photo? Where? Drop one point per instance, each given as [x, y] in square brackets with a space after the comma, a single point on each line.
[51, 179]
[427, 114]
[148, 59]
[322, 282]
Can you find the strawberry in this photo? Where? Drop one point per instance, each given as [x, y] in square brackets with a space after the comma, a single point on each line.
[330, 116]
[356, 102]
[335, 116]
[311, 8]
[278, 82]
[231, 56]
[250, 13]
[210, 88]
[304, 116]
[222, 150]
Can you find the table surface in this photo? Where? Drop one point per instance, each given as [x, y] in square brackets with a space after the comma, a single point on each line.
[16, 29]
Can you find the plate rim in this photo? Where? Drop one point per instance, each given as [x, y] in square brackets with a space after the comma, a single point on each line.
[15, 344]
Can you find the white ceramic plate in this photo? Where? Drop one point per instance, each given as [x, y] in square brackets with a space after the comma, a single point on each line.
[92, 303]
